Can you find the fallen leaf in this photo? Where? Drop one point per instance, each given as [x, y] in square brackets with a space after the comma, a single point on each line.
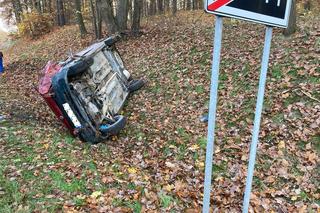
[96, 194]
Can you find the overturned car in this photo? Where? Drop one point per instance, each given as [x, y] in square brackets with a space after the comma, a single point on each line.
[87, 91]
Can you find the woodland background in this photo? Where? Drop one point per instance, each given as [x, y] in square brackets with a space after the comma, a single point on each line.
[156, 164]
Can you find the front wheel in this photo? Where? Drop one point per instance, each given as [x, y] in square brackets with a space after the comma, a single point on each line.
[114, 128]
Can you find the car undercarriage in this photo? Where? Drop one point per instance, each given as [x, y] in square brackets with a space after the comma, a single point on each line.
[88, 90]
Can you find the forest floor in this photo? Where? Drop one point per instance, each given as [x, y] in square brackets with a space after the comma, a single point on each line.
[156, 164]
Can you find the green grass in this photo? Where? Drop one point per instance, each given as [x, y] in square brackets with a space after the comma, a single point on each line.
[166, 151]
[276, 72]
[135, 206]
[165, 200]
[202, 141]
[12, 195]
[59, 182]
[199, 89]
[316, 143]
[258, 183]
[278, 118]
[183, 134]
[219, 169]
[293, 98]
[182, 151]
[39, 182]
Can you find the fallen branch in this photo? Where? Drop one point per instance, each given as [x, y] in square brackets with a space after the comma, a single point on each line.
[310, 96]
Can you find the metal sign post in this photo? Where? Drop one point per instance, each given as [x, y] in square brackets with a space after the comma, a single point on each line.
[212, 115]
[257, 117]
[270, 13]
[212, 112]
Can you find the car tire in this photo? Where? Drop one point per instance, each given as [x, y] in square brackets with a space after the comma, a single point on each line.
[116, 127]
[135, 85]
[89, 136]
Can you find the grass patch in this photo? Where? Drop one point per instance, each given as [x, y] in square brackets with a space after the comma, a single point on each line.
[258, 183]
[135, 206]
[315, 141]
[199, 89]
[202, 142]
[59, 181]
[219, 169]
[293, 98]
[165, 200]
[278, 118]
[276, 72]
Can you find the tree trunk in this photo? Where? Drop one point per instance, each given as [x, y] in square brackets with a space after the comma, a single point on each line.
[60, 13]
[160, 6]
[82, 27]
[153, 7]
[194, 4]
[130, 12]
[16, 10]
[201, 6]
[145, 8]
[19, 7]
[37, 5]
[135, 27]
[26, 6]
[50, 6]
[44, 6]
[188, 4]
[174, 7]
[99, 20]
[94, 18]
[107, 16]
[292, 20]
[122, 14]
[166, 5]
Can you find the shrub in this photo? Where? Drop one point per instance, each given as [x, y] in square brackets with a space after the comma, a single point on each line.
[35, 24]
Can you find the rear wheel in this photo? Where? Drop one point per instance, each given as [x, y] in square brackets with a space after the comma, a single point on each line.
[135, 85]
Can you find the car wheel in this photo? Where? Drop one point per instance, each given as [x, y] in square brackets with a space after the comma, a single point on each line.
[135, 85]
[116, 127]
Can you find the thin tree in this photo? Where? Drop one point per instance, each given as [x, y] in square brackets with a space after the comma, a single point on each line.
[94, 18]
[17, 10]
[137, 8]
[292, 21]
[106, 8]
[37, 5]
[160, 6]
[174, 7]
[194, 4]
[188, 4]
[50, 6]
[61, 20]
[166, 5]
[122, 14]
[82, 27]
[152, 7]
[99, 20]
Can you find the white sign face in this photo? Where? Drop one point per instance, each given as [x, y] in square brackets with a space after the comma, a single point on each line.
[269, 12]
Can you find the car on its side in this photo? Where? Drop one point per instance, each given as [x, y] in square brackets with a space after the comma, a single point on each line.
[88, 90]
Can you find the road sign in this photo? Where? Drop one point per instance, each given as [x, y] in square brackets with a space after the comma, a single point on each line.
[269, 12]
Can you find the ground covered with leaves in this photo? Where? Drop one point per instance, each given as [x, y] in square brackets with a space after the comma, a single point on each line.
[157, 163]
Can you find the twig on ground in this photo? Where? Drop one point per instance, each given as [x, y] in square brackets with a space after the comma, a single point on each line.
[310, 96]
